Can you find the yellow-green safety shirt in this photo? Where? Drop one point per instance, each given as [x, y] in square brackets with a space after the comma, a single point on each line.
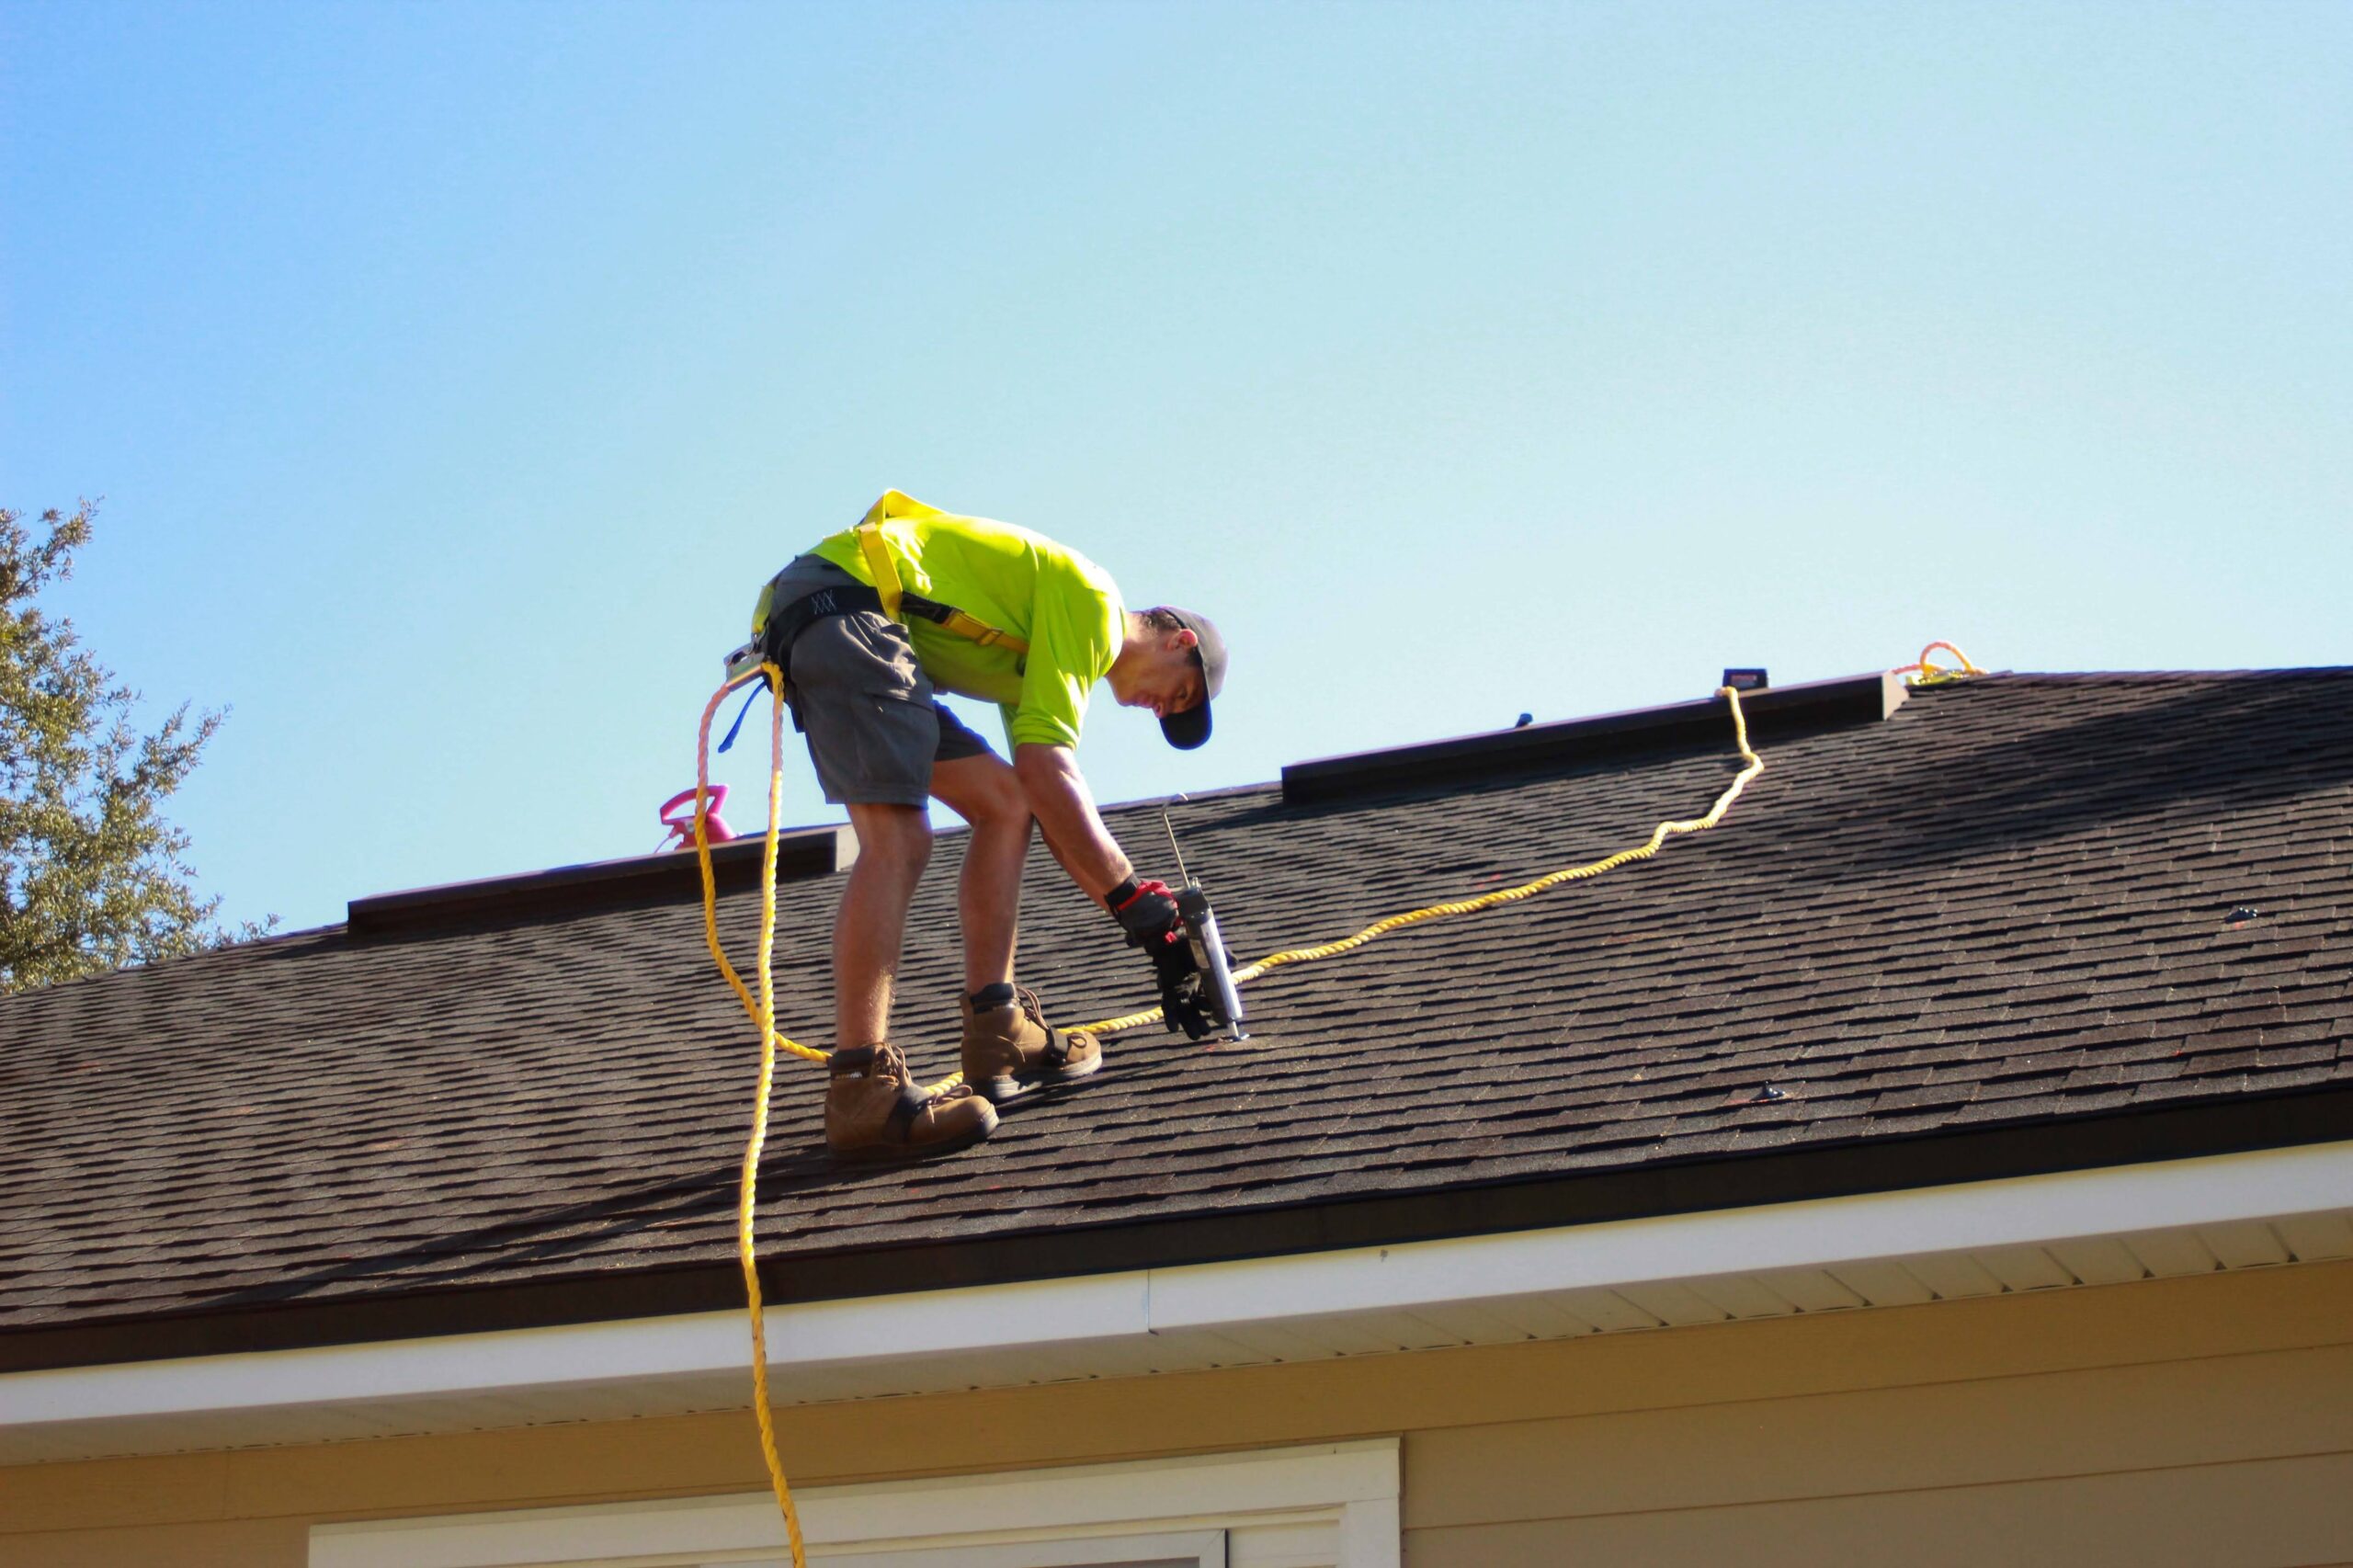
[1065, 606]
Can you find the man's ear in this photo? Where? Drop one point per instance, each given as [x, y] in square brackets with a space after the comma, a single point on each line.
[1185, 637]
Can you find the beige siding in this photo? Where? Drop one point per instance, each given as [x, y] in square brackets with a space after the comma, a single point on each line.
[211, 1543]
[2276, 1511]
[2199, 1462]
[2205, 1420]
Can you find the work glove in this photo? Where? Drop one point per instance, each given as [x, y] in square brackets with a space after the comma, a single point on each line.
[1147, 913]
[1182, 1007]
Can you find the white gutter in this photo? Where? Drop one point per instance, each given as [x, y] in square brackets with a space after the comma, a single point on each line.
[1144, 1319]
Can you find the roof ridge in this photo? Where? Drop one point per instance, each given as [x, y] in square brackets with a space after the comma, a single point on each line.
[2134, 677]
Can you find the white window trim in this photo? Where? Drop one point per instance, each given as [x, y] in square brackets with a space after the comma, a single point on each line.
[1189, 1548]
[1351, 1487]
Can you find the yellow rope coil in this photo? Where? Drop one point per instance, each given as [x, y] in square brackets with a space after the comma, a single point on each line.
[1921, 672]
[763, 1010]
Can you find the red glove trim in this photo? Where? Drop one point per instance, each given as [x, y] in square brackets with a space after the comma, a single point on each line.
[1142, 890]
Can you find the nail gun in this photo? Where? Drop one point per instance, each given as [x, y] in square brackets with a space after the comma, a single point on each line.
[1215, 993]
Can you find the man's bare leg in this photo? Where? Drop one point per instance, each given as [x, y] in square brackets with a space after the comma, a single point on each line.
[893, 842]
[1006, 1048]
[984, 792]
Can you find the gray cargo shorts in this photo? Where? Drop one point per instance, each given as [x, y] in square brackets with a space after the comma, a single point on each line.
[873, 723]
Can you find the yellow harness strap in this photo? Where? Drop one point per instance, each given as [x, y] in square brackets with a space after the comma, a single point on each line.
[885, 569]
[980, 631]
[894, 595]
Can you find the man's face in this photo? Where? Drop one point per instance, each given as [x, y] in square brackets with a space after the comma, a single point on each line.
[1169, 680]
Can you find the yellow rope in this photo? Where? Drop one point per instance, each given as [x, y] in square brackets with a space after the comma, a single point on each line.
[770, 1039]
[709, 886]
[747, 1189]
[763, 1010]
[1659, 835]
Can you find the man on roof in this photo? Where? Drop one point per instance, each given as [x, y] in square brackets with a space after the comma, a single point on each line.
[868, 626]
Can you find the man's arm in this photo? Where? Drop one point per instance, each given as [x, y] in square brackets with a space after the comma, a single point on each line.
[1066, 815]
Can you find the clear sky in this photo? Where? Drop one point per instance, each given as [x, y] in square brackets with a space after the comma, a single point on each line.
[454, 374]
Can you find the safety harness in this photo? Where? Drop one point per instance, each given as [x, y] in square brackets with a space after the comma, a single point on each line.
[784, 624]
[897, 603]
[776, 627]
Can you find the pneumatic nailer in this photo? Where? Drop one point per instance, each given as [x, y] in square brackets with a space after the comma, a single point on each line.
[1214, 997]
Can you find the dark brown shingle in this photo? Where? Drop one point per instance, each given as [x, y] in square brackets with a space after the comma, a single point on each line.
[2005, 905]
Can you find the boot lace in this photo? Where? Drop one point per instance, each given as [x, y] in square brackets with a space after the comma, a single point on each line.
[891, 1063]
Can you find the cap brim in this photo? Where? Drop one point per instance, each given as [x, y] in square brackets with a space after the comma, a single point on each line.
[1187, 730]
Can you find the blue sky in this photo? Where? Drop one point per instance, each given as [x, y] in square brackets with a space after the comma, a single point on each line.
[454, 374]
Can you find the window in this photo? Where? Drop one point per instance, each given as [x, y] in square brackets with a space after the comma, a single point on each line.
[1197, 1549]
[1330, 1505]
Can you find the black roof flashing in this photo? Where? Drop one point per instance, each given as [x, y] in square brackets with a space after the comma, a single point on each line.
[803, 853]
[1775, 712]
[668, 877]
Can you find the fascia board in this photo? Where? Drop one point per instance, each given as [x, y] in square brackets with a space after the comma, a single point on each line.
[2023, 1210]
[929, 1323]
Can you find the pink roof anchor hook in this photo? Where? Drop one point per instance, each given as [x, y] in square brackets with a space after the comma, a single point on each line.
[679, 816]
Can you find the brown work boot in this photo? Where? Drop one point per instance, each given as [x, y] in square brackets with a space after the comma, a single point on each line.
[1009, 1047]
[874, 1111]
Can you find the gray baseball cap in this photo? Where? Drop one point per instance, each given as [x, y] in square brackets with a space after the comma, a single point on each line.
[1189, 729]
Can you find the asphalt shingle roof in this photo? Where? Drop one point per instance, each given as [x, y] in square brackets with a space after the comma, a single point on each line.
[2008, 904]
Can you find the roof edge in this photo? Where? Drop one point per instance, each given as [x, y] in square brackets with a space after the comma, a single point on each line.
[1559, 1283]
[1778, 711]
[2234, 1124]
